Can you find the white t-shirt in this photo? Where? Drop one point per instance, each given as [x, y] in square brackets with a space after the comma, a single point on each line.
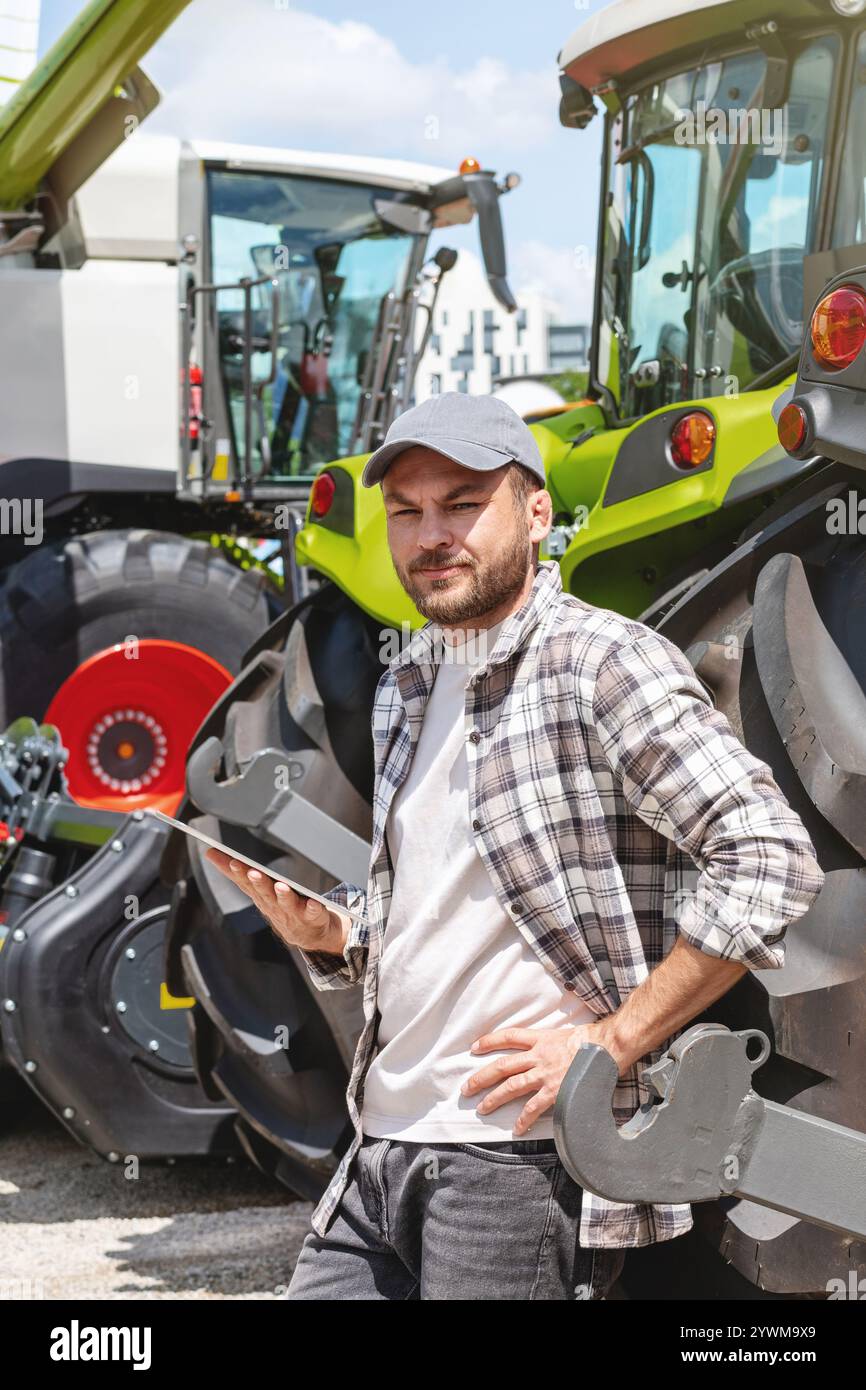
[453, 965]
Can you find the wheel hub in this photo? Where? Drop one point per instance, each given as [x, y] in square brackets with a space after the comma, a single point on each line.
[127, 750]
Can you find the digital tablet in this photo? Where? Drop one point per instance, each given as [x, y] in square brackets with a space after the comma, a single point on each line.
[253, 864]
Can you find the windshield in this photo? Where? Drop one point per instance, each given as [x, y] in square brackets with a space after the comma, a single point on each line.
[333, 260]
[711, 206]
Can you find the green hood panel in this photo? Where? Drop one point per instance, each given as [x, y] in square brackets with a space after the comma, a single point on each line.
[745, 428]
[577, 475]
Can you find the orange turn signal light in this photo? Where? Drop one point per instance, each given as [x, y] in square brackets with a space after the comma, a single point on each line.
[692, 439]
[839, 327]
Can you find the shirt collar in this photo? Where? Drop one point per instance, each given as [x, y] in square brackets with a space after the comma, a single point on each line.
[546, 586]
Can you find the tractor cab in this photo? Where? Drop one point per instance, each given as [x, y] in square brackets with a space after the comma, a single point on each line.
[310, 306]
[732, 149]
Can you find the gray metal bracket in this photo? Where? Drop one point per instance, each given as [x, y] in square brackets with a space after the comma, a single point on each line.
[711, 1136]
[259, 800]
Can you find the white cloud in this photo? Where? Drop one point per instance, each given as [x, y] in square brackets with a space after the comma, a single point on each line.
[289, 77]
[563, 274]
[782, 222]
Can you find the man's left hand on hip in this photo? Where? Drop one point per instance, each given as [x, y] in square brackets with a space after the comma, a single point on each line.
[539, 1065]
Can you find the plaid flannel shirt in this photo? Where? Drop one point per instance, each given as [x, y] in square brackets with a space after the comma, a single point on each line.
[614, 807]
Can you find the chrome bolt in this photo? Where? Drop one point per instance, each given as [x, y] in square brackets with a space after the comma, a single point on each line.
[117, 846]
[30, 1066]
[120, 1006]
[71, 891]
[130, 953]
[19, 934]
[113, 1157]
[68, 1112]
[153, 1045]
[9, 1005]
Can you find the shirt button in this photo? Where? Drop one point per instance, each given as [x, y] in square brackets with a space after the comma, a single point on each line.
[515, 908]
[476, 825]
[475, 737]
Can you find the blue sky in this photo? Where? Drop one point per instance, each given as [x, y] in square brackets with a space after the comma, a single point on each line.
[479, 77]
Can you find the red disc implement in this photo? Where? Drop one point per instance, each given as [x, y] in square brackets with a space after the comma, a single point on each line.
[128, 715]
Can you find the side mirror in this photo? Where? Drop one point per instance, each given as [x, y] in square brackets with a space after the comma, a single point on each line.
[484, 195]
[576, 105]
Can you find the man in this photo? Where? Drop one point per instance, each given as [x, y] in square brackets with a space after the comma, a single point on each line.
[569, 845]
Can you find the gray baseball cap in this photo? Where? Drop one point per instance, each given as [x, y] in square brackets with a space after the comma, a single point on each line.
[481, 432]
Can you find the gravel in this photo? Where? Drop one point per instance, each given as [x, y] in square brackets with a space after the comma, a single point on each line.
[73, 1226]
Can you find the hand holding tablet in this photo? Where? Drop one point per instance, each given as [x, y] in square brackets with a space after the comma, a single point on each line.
[299, 916]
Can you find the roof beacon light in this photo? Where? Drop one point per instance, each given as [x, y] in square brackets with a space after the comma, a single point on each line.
[469, 166]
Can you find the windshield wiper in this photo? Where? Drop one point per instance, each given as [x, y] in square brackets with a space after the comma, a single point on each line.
[655, 137]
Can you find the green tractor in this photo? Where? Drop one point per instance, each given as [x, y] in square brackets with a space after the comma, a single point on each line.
[704, 227]
[699, 319]
[775, 1167]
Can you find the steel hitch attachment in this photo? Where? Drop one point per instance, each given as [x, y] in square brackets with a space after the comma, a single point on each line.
[259, 799]
[710, 1135]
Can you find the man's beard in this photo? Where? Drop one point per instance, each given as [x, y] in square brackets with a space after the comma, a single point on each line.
[481, 591]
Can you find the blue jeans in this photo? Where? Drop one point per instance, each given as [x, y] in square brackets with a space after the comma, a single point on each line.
[455, 1221]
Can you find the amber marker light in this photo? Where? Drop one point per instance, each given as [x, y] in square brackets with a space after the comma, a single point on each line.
[839, 328]
[792, 427]
[692, 440]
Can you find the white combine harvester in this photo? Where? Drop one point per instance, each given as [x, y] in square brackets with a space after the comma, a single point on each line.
[188, 331]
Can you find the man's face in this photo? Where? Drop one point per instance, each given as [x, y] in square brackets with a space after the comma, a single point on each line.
[460, 542]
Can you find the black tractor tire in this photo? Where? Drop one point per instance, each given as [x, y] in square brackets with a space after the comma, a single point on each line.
[307, 692]
[73, 598]
[777, 633]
